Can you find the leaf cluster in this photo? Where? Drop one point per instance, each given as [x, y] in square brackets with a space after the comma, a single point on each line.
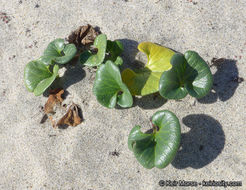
[173, 74]
[41, 73]
[108, 88]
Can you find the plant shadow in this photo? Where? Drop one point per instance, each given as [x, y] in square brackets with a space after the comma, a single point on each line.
[225, 83]
[72, 75]
[202, 144]
[129, 53]
[151, 101]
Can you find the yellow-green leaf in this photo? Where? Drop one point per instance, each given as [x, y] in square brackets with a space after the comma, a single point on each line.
[146, 80]
[158, 57]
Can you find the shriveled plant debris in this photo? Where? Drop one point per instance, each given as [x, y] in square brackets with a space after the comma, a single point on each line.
[55, 97]
[53, 122]
[84, 36]
[71, 118]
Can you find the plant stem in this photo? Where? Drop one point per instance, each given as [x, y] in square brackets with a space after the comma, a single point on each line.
[155, 128]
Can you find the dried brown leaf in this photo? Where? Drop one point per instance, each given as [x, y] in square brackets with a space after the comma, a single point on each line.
[55, 97]
[84, 36]
[71, 118]
[52, 121]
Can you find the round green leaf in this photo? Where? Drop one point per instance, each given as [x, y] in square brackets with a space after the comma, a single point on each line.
[87, 58]
[189, 74]
[37, 77]
[35, 71]
[146, 81]
[159, 148]
[44, 84]
[58, 52]
[109, 88]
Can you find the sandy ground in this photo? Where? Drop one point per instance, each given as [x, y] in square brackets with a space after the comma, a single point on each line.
[36, 156]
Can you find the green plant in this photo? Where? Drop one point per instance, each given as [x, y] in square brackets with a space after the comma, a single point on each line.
[38, 77]
[190, 74]
[146, 80]
[108, 86]
[158, 148]
[41, 73]
[174, 75]
[89, 59]
[101, 51]
[58, 52]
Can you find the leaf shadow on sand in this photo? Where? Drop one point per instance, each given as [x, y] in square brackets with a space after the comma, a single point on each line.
[72, 75]
[225, 81]
[202, 144]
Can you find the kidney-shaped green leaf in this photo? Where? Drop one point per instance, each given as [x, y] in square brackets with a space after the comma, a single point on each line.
[109, 88]
[44, 84]
[159, 148]
[189, 74]
[59, 52]
[38, 78]
[91, 60]
[146, 80]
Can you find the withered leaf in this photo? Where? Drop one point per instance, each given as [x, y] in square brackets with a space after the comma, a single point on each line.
[71, 118]
[55, 97]
[52, 121]
[84, 36]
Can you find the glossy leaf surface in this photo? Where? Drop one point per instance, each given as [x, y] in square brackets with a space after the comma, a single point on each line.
[189, 74]
[109, 88]
[38, 78]
[44, 84]
[159, 148]
[59, 52]
[146, 80]
[90, 59]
